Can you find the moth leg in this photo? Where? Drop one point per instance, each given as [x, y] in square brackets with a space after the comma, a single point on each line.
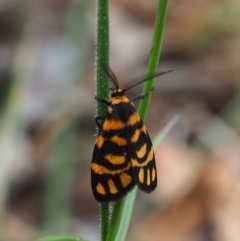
[142, 96]
[97, 118]
[103, 101]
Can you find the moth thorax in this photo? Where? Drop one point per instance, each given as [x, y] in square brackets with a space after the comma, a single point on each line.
[119, 99]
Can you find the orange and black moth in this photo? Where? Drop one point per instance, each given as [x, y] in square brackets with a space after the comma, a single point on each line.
[123, 155]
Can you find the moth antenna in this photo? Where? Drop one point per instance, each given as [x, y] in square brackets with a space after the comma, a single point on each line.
[110, 74]
[143, 78]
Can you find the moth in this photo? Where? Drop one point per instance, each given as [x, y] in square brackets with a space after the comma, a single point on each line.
[123, 154]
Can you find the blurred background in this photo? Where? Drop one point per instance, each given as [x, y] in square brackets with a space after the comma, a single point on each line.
[47, 111]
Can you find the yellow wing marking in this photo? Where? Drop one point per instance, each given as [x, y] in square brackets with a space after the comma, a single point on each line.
[141, 175]
[119, 140]
[125, 179]
[101, 170]
[153, 174]
[112, 187]
[116, 160]
[133, 119]
[148, 177]
[136, 135]
[141, 153]
[99, 141]
[135, 163]
[113, 124]
[100, 189]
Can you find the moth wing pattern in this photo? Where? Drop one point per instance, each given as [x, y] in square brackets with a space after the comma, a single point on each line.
[123, 156]
[142, 155]
[111, 170]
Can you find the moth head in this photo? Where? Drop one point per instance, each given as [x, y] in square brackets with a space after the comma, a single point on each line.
[116, 92]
